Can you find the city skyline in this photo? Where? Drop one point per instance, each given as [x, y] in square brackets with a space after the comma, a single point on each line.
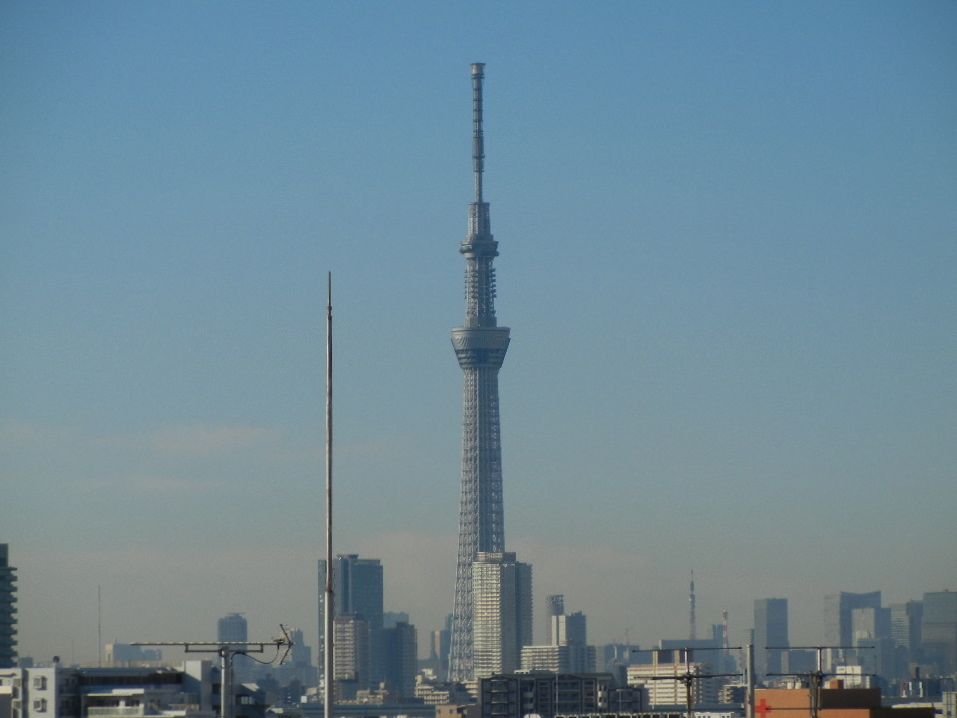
[730, 250]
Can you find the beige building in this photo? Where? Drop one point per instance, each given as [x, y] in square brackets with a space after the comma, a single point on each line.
[654, 678]
[564, 658]
[502, 612]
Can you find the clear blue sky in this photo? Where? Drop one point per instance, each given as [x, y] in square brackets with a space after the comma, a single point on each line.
[728, 260]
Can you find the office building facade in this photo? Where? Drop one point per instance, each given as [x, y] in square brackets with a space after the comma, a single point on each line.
[770, 629]
[939, 631]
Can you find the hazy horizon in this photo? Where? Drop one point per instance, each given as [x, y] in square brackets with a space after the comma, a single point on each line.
[727, 259]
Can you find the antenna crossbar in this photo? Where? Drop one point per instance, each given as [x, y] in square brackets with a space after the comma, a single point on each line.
[227, 650]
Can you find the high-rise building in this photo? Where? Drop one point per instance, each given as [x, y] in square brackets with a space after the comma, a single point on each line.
[939, 631]
[480, 346]
[869, 624]
[554, 606]
[351, 657]
[8, 609]
[568, 650]
[391, 619]
[400, 645]
[838, 630]
[871, 635]
[232, 627]
[502, 603]
[770, 629]
[570, 628]
[905, 634]
[439, 648]
[357, 585]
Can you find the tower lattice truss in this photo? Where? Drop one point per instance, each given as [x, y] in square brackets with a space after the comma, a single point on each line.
[480, 347]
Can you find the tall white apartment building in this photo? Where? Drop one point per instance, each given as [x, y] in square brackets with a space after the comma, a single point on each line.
[502, 606]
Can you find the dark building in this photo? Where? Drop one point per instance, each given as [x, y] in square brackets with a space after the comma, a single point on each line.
[390, 619]
[358, 591]
[770, 629]
[838, 629]
[232, 627]
[8, 609]
[439, 648]
[939, 631]
[400, 664]
[905, 634]
[554, 606]
[548, 695]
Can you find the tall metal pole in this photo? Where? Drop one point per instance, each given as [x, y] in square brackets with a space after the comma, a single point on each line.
[99, 628]
[692, 628]
[689, 678]
[226, 682]
[328, 694]
[749, 672]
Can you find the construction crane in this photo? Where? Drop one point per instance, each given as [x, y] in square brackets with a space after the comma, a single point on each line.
[227, 650]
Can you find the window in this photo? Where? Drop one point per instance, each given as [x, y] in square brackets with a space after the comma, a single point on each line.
[40, 706]
[40, 683]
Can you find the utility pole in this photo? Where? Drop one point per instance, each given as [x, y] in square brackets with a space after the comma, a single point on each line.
[227, 650]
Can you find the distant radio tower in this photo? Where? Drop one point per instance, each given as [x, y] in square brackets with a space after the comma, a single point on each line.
[692, 629]
[480, 347]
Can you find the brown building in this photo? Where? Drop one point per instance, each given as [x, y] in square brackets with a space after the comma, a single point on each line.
[836, 702]
[472, 710]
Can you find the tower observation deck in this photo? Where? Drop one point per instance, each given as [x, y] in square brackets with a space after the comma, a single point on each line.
[480, 346]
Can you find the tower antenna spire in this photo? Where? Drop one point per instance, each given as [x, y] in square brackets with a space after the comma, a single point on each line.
[478, 139]
[480, 346]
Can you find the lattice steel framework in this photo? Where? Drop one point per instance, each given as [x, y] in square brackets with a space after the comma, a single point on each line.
[480, 347]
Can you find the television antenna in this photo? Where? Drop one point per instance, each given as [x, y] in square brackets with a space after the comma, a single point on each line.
[814, 679]
[691, 674]
[228, 650]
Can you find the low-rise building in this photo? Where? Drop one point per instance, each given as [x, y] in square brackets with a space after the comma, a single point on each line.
[559, 658]
[547, 694]
[836, 701]
[666, 681]
[192, 691]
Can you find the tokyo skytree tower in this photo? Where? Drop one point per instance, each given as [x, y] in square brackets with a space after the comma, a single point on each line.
[480, 347]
